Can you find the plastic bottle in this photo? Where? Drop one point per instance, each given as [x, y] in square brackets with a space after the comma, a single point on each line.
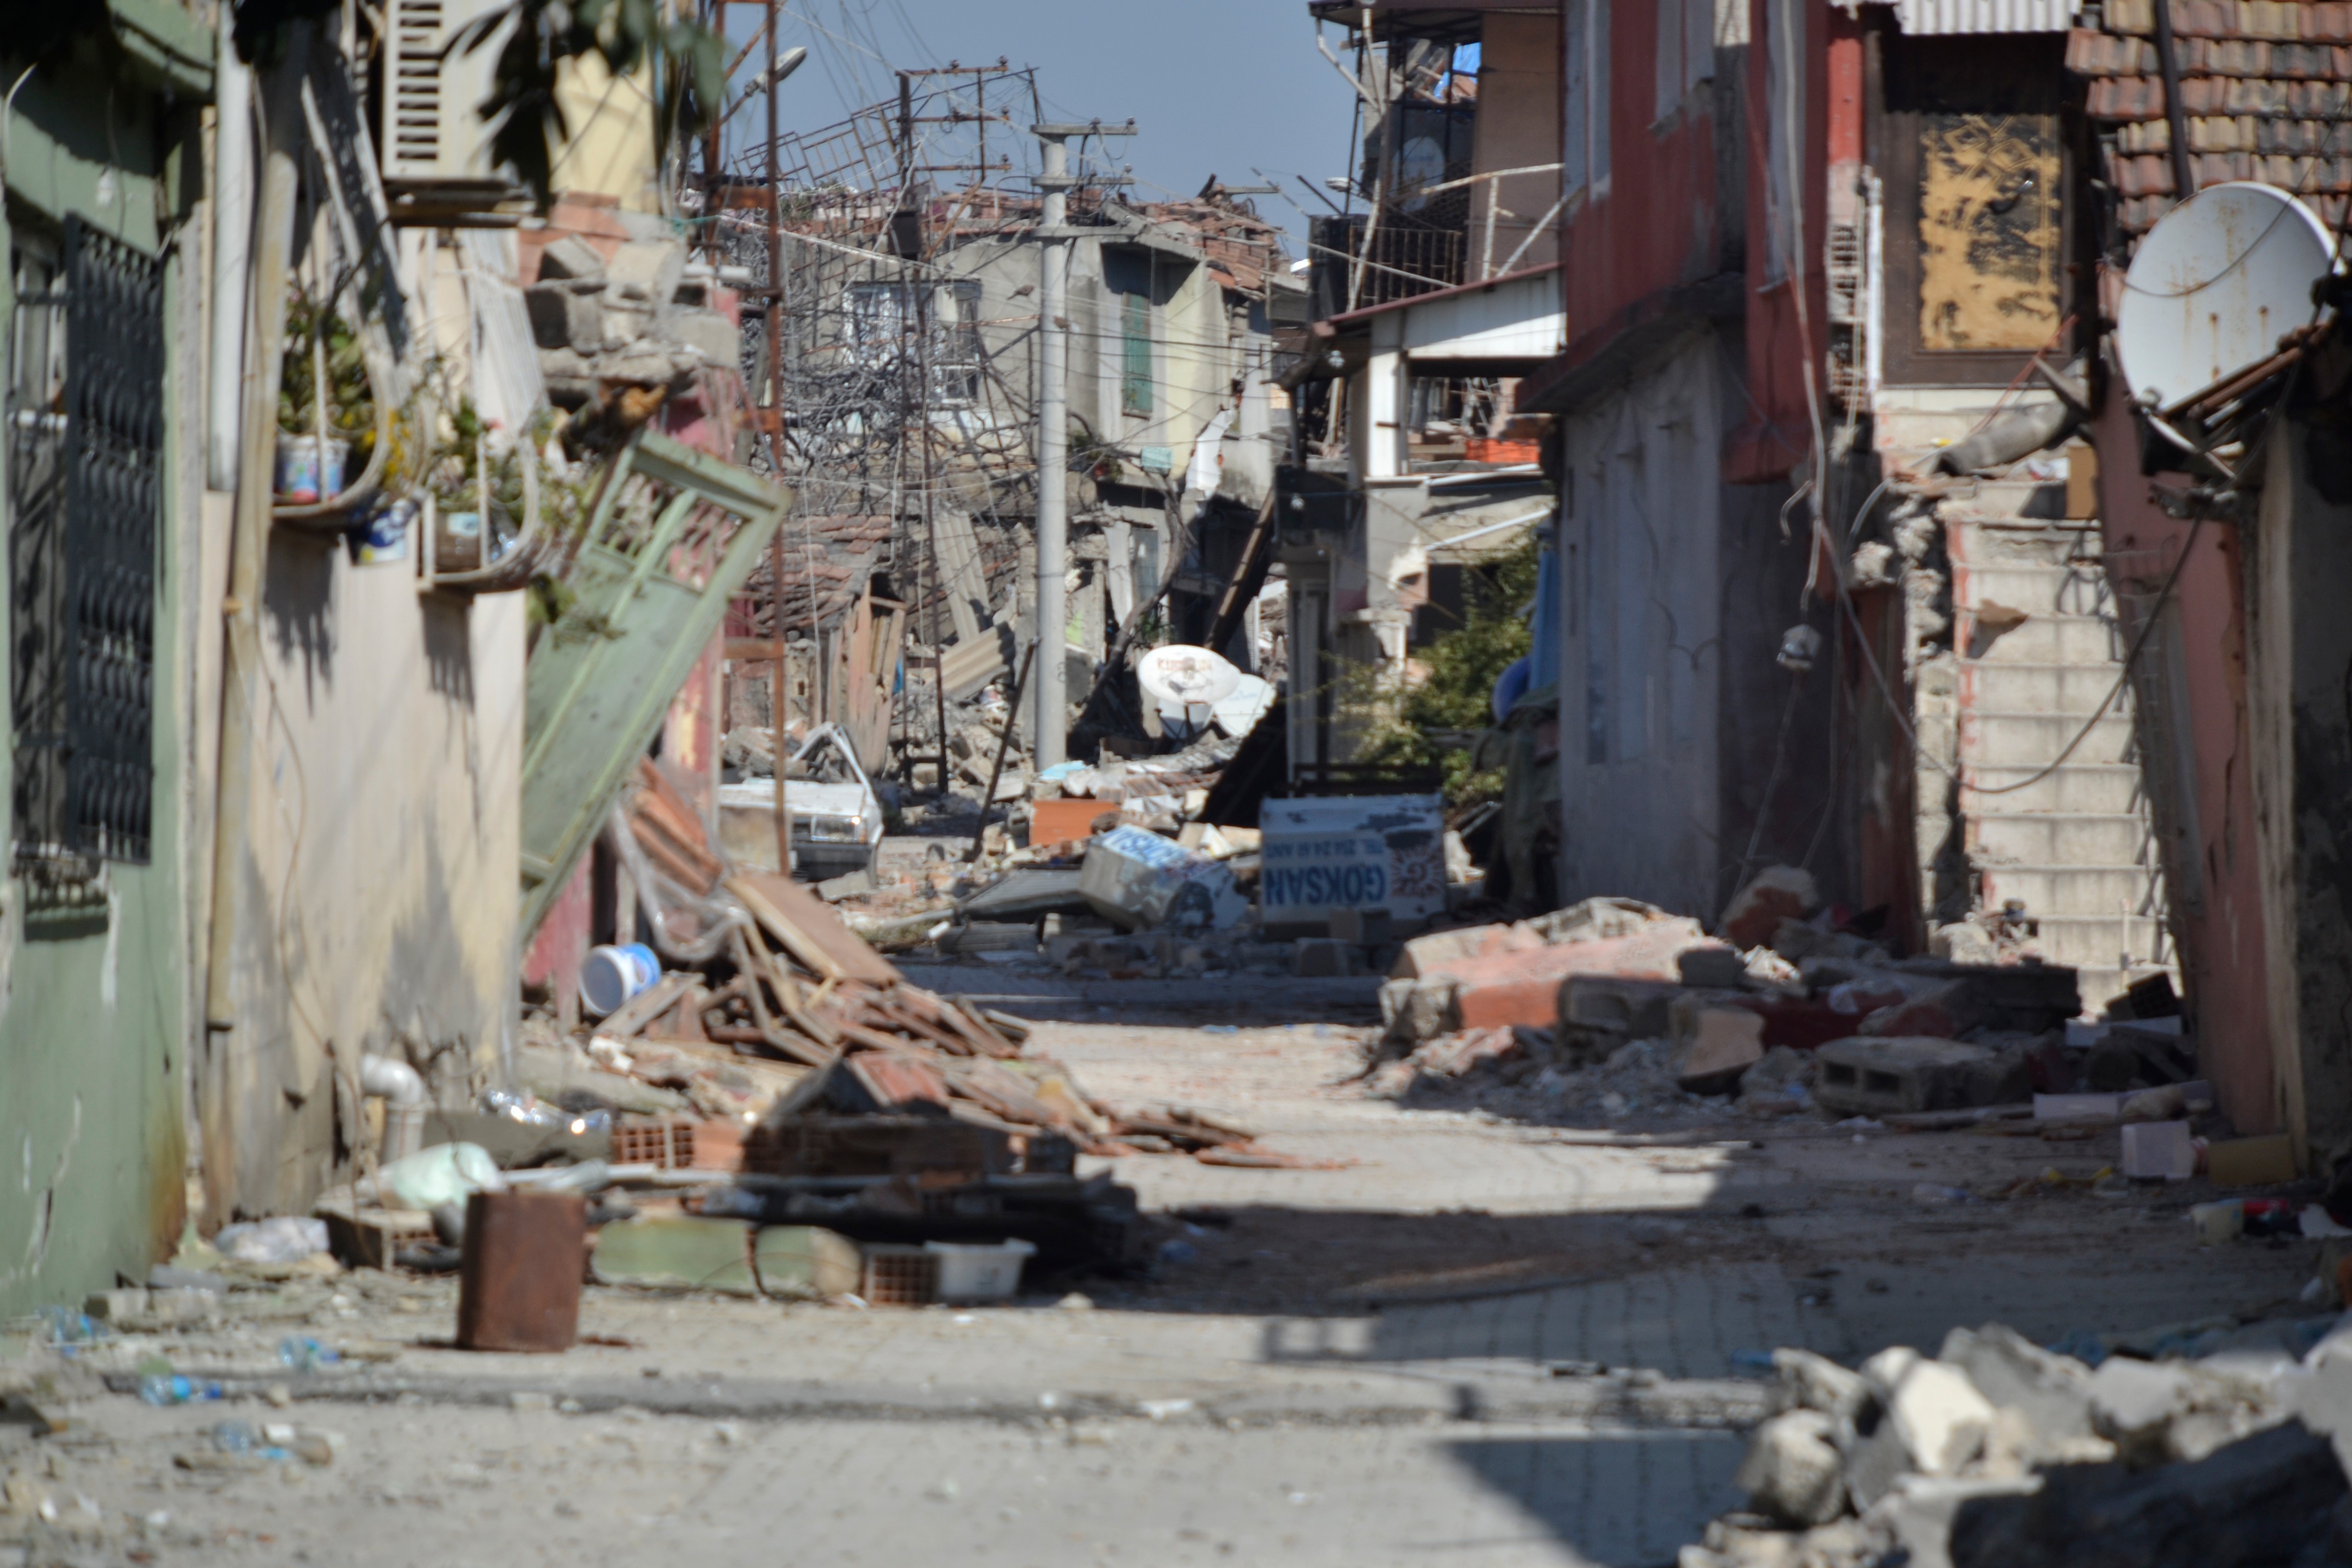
[64, 1326]
[236, 1438]
[167, 1388]
[304, 1353]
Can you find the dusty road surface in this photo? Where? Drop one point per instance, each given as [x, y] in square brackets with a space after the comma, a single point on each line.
[1466, 1337]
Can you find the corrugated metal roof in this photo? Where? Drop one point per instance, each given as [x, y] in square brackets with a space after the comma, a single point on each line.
[1938, 17]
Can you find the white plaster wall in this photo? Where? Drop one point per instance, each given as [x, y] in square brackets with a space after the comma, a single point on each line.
[1640, 654]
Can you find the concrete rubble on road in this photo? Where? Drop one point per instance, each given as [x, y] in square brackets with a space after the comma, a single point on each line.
[1997, 1453]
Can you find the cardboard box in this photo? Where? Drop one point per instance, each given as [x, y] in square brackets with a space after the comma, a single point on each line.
[2251, 1162]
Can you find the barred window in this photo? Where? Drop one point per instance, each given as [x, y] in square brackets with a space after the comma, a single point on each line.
[85, 403]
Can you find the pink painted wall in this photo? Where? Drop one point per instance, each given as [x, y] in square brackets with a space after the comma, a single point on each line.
[2219, 923]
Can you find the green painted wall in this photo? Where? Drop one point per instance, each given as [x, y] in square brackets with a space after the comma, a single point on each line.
[94, 1000]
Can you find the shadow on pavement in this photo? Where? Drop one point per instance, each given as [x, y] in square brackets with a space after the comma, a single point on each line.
[1623, 1498]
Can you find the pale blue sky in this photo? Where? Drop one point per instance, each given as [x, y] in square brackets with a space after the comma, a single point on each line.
[1214, 86]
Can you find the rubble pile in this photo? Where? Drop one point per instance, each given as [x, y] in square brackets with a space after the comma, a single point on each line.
[1612, 1009]
[1998, 1453]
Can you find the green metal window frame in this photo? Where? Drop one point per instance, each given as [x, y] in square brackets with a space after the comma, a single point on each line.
[1135, 354]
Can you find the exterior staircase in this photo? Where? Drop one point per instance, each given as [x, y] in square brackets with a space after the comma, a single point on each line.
[2077, 848]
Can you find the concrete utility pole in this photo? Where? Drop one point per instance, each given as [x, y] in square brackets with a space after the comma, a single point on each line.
[1054, 437]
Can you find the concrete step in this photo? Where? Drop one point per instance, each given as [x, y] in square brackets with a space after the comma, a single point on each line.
[2036, 590]
[2058, 838]
[2094, 941]
[2094, 788]
[2028, 542]
[2071, 889]
[2048, 638]
[2014, 739]
[2019, 687]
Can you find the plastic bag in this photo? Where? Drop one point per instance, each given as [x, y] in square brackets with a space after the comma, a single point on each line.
[287, 1239]
[445, 1173]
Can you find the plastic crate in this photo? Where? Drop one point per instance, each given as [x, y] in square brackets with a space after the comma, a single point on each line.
[900, 1276]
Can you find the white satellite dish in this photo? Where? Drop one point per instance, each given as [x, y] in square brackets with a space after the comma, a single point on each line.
[2216, 283]
[1190, 676]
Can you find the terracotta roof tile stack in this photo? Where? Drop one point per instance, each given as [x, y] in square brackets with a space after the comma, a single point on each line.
[2266, 90]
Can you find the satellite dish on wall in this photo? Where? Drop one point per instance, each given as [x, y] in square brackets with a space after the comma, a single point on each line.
[1190, 676]
[2216, 283]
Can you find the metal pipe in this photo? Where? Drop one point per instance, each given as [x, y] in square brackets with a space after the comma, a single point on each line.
[232, 256]
[249, 540]
[778, 679]
[403, 1088]
[1050, 746]
[2168, 59]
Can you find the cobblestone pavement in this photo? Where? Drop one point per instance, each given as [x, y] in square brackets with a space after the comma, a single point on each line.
[1471, 1340]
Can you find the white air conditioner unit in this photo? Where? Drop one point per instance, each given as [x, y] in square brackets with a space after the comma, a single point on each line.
[433, 135]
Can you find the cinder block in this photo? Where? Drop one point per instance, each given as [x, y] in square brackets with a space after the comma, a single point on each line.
[649, 270]
[707, 333]
[562, 318]
[1597, 1013]
[570, 258]
[1877, 1076]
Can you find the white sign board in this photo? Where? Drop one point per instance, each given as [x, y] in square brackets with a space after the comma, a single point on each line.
[1352, 852]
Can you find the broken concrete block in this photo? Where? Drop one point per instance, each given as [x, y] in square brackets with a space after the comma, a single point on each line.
[1414, 1010]
[1792, 1470]
[2053, 1392]
[1595, 919]
[1321, 958]
[676, 1252]
[1941, 1416]
[1715, 1045]
[647, 271]
[2133, 1402]
[570, 258]
[1713, 967]
[1875, 1077]
[1142, 881]
[2251, 1162]
[1816, 1383]
[1775, 893]
[116, 1306]
[707, 333]
[1963, 942]
[1428, 954]
[2158, 1150]
[804, 1263]
[563, 317]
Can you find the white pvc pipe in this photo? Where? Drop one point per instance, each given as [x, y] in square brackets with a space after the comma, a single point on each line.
[232, 259]
[403, 1088]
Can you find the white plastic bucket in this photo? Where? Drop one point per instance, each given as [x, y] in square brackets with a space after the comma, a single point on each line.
[309, 470]
[612, 975]
[980, 1273]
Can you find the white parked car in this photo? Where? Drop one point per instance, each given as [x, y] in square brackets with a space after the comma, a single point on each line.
[836, 817]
